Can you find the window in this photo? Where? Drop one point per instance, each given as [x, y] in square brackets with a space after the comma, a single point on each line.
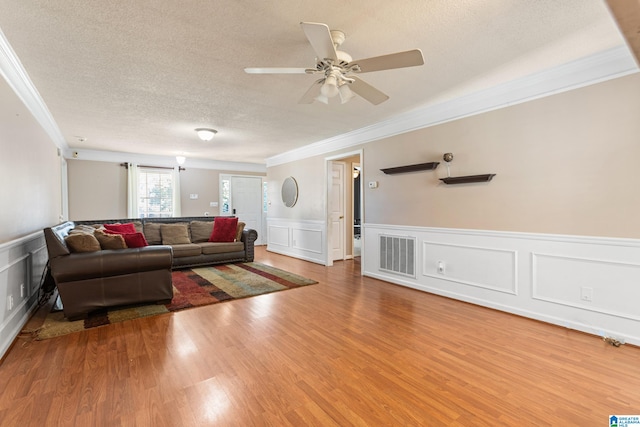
[265, 198]
[225, 190]
[155, 193]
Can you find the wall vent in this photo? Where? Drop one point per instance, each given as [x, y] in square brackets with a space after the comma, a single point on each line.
[398, 255]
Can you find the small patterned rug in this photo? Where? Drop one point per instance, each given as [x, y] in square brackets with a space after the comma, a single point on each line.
[191, 288]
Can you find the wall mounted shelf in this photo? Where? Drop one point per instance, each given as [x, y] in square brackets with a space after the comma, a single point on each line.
[411, 168]
[468, 179]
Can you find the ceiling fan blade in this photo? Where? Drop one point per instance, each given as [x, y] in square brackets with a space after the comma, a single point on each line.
[319, 36]
[275, 70]
[410, 58]
[311, 94]
[367, 91]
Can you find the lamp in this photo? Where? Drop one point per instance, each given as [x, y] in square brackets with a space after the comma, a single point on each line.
[330, 86]
[206, 134]
[345, 93]
[335, 83]
[180, 160]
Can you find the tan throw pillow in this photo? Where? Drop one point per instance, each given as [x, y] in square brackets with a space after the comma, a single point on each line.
[138, 226]
[239, 231]
[175, 234]
[110, 241]
[200, 231]
[82, 242]
[152, 233]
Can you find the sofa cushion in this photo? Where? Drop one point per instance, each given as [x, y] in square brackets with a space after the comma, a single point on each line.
[82, 242]
[152, 233]
[200, 231]
[239, 231]
[110, 241]
[184, 250]
[221, 247]
[121, 228]
[224, 229]
[175, 234]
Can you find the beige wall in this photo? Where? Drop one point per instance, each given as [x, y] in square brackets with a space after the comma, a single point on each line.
[30, 183]
[206, 184]
[565, 164]
[310, 176]
[98, 190]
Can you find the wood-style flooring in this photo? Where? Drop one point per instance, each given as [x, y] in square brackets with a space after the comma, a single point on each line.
[347, 351]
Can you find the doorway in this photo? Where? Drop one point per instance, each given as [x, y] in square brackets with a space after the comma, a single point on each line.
[344, 207]
[242, 196]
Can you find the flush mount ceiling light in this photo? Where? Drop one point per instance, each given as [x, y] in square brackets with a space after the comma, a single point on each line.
[206, 134]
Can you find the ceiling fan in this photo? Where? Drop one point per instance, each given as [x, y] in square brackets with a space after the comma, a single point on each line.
[339, 71]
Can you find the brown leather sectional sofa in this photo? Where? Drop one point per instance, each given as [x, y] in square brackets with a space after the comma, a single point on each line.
[89, 281]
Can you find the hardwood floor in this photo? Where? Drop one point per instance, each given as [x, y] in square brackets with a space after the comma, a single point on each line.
[347, 351]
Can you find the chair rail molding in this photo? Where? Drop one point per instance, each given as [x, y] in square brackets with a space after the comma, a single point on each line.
[579, 282]
[302, 239]
[22, 262]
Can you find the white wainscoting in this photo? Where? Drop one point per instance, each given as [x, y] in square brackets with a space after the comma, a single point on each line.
[21, 264]
[589, 284]
[299, 239]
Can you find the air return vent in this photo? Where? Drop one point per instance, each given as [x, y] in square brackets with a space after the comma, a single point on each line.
[398, 255]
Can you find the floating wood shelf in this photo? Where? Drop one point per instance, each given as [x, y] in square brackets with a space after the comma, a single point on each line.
[468, 179]
[411, 168]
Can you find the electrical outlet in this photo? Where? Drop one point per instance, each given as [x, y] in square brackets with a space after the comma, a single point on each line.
[440, 267]
[586, 294]
[22, 290]
[10, 303]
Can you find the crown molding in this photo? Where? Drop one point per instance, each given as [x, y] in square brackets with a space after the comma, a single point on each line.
[164, 161]
[16, 76]
[606, 65]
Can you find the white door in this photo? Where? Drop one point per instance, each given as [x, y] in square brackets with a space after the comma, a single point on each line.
[246, 202]
[336, 210]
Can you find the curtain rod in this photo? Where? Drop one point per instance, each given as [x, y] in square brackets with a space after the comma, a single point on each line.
[126, 166]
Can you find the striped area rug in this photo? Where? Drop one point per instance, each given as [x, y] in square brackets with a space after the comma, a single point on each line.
[191, 288]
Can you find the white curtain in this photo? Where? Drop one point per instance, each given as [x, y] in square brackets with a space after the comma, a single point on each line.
[176, 191]
[132, 191]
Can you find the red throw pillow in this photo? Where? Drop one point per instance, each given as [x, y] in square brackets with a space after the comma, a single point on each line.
[133, 240]
[224, 229]
[121, 228]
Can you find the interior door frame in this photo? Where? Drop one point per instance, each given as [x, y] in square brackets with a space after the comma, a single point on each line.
[328, 174]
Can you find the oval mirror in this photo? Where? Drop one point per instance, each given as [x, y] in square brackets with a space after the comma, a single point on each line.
[289, 192]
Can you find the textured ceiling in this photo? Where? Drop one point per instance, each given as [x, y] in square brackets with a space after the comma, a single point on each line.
[138, 77]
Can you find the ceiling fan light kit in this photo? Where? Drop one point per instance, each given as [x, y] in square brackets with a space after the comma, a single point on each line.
[339, 69]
